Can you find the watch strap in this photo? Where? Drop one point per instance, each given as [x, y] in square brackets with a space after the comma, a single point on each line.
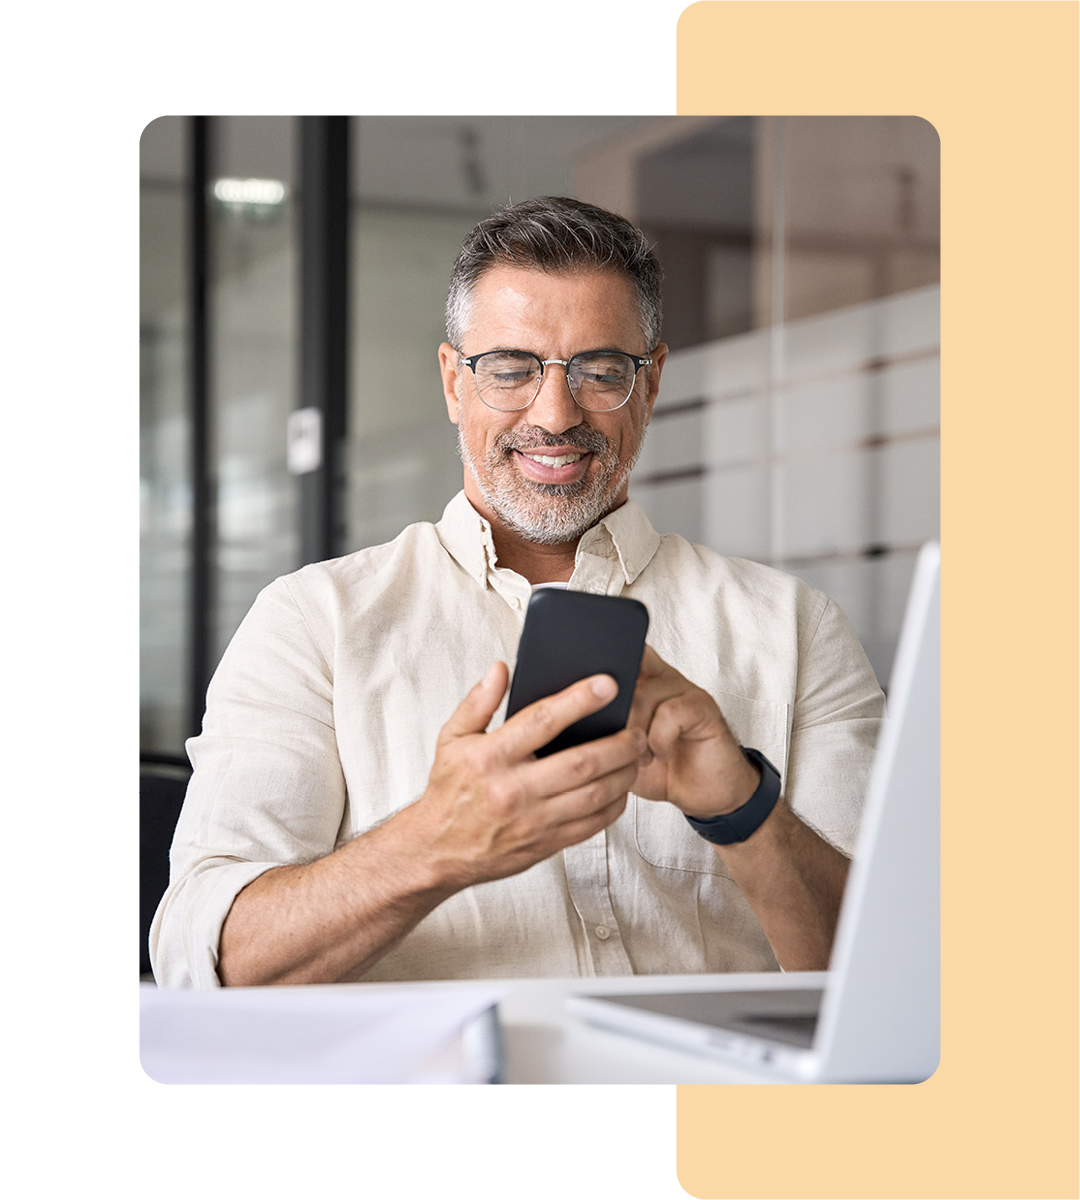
[737, 826]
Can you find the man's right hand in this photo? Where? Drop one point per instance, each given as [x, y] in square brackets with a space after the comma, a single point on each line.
[492, 809]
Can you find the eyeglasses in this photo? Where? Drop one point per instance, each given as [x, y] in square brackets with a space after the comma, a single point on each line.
[599, 380]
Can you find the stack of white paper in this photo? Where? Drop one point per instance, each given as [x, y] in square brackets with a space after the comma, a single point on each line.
[341, 1034]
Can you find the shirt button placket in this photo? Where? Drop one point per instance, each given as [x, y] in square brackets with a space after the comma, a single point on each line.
[587, 881]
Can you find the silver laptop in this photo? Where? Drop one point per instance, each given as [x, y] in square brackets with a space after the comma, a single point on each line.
[874, 1016]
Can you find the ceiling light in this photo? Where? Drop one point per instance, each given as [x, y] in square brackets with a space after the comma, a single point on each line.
[249, 191]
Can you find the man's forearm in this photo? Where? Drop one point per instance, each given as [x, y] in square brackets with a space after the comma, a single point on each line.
[491, 809]
[331, 920]
[794, 881]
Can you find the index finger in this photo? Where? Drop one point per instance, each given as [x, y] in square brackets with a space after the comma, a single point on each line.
[653, 666]
[651, 663]
[535, 725]
[657, 680]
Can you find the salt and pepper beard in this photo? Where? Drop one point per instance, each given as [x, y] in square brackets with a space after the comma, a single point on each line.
[549, 513]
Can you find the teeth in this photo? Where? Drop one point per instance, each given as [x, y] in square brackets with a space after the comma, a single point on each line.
[558, 460]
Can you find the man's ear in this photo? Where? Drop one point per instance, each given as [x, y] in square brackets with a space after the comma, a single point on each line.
[451, 379]
[657, 356]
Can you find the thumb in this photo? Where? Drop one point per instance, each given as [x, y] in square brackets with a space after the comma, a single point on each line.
[474, 713]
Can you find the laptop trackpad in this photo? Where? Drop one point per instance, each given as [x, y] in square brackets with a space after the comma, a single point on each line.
[783, 1016]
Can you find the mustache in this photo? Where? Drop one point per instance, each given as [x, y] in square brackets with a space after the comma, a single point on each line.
[582, 437]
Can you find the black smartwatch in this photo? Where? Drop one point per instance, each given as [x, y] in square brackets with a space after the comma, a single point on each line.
[737, 826]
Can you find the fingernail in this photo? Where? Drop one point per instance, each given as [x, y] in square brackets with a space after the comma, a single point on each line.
[604, 687]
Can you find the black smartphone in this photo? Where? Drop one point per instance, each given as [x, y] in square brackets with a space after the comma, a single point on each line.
[569, 636]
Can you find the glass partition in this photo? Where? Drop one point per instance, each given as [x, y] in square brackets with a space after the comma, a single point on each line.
[253, 357]
[164, 448]
[798, 418]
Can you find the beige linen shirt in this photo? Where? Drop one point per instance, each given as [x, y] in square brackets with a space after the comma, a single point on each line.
[322, 718]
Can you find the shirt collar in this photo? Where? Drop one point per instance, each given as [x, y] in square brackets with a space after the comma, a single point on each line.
[625, 539]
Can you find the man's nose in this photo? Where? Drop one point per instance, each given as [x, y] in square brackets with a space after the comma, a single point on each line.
[554, 408]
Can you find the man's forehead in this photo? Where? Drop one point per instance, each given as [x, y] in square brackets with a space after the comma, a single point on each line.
[529, 276]
[531, 295]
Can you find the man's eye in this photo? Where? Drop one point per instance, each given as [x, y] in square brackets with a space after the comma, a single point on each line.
[601, 371]
[506, 370]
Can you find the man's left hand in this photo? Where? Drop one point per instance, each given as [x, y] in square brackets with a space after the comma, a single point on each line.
[793, 879]
[694, 761]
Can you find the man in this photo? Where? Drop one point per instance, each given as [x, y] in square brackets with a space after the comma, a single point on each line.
[351, 816]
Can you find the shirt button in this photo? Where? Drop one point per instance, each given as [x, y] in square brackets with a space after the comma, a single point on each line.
[602, 932]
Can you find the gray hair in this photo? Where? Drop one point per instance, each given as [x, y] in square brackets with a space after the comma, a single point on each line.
[556, 233]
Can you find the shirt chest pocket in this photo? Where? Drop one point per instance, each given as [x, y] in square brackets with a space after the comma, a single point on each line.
[661, 834]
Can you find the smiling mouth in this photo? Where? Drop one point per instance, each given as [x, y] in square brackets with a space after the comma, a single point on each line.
[552, 460]
[559, 466]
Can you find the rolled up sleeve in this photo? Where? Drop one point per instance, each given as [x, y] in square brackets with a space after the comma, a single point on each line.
[267, 787]
[835, 724]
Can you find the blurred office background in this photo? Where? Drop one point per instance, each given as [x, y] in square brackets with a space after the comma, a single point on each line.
[293, 279]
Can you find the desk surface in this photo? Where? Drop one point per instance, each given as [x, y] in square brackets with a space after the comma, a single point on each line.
[319, 1033]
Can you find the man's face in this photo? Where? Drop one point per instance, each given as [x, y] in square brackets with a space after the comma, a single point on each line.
[509, 475]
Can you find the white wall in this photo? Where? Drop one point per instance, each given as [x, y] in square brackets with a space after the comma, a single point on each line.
[814, 447]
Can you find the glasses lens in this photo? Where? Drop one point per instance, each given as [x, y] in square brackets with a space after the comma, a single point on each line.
[507, 379]
[601, 379]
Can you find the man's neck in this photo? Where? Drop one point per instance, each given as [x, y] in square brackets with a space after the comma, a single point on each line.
[537, 563]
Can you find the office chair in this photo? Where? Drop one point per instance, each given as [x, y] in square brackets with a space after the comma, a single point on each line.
[163, 780]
